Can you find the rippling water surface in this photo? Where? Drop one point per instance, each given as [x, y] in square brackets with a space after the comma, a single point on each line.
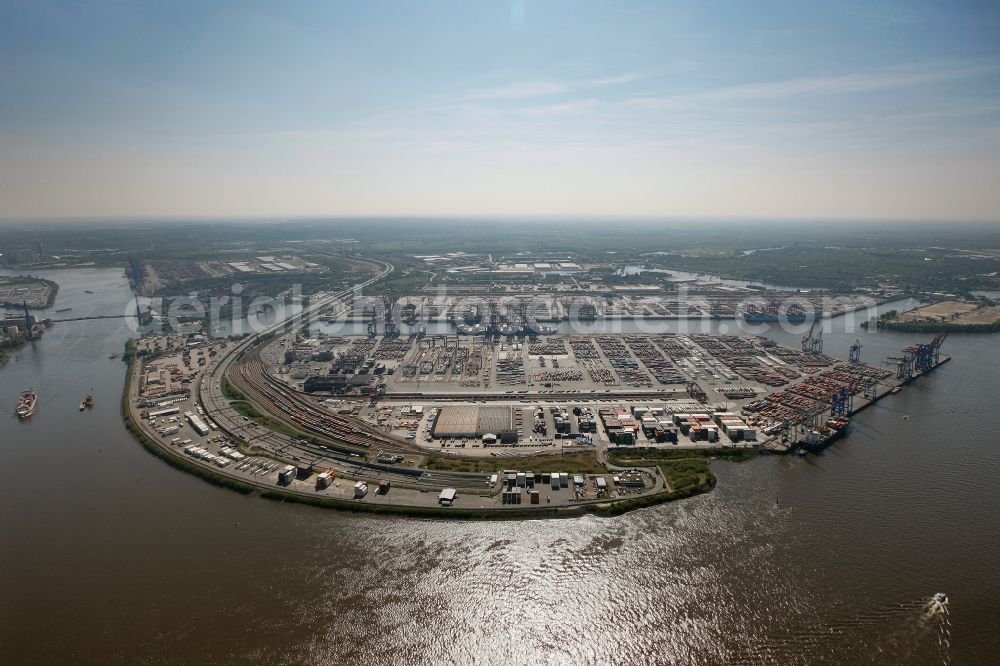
[108, 555]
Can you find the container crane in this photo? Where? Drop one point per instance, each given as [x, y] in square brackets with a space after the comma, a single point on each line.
[904, 369]
[807, 338]
[841, 403]
[373, 323]
[855, 356]
[813, 344]
[391, 330]
[871, 387]
[926, 356]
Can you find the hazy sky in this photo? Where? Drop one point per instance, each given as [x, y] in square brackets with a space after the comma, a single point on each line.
[754, 108]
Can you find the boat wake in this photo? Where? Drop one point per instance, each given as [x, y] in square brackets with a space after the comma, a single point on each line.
[936, 617]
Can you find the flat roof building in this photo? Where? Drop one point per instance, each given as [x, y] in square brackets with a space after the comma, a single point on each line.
[473, 422]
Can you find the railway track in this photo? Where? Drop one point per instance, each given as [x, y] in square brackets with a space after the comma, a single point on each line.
[345, 441]
[251, 378]
[343, 452]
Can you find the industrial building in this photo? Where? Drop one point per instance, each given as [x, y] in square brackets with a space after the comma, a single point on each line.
[472, 422]
[335, 383]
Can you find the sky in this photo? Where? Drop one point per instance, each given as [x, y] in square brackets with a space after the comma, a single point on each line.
[749, 109]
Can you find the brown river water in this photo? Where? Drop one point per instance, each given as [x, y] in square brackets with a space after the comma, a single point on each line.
[108, 555]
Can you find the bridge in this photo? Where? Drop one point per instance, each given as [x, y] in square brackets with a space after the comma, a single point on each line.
[118, 316]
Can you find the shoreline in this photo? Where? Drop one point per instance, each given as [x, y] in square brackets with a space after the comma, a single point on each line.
[659, 493]
[412, 498]
[50, 298]
[218, 477]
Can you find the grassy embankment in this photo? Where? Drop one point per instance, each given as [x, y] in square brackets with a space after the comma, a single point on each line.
[582, 462]
[890, 321]
[937, 326]
[248, 410]
[683, 470]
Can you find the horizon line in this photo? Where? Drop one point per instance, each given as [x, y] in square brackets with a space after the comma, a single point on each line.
[485, 216]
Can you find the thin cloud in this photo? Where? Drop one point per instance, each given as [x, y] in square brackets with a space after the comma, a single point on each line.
[855, 82]
[529, 89]
[614, 80]
[574, 106]
[521, 90]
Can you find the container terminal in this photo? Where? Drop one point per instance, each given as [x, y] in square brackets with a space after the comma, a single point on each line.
[355, 413]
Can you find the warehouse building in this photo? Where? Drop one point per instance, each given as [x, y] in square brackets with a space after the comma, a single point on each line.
[472, 422]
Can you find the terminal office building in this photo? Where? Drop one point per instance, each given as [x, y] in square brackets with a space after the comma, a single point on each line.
[338, 383]
[472, 422]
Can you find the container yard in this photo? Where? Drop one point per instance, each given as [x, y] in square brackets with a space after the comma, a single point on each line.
[332, 416]
[684, 391]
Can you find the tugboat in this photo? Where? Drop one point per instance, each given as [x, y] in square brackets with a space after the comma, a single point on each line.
[26, 404]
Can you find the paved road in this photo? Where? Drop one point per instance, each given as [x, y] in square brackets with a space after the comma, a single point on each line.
[321, 457]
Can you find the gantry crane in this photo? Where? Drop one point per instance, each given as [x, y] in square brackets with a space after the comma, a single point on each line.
[391, 330]
[841, 402]
[813, 344]
[855, 356]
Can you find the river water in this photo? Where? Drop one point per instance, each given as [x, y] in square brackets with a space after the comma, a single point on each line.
[108, 555]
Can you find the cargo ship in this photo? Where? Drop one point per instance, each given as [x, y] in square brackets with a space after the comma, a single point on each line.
[26, 404]
[471, 316]
[534, 328]
[835, 428]
[791, 317]
[772, 313]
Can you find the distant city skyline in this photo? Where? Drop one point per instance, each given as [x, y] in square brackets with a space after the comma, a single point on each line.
[769, 109]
